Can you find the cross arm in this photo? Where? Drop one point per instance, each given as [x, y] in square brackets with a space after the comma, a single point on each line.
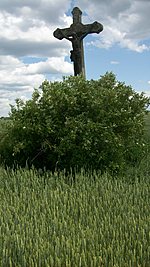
[62, 33]
[95, 27]
[79, 29]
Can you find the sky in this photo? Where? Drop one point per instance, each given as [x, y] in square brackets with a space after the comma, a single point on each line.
[29, 53]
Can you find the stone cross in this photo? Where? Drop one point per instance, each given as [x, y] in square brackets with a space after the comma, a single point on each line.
[75, 34]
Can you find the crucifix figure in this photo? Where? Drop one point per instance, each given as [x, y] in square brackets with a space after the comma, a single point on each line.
[75, 34]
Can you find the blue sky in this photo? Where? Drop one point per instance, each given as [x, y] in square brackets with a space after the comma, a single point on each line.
[129, 67]
[29, 53]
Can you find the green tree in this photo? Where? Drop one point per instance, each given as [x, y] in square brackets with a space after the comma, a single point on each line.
[77, 124]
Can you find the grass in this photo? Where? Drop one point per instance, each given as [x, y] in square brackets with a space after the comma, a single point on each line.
[48, 221]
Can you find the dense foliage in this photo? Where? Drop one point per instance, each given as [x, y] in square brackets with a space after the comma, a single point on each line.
[77, 123]
[45, 221]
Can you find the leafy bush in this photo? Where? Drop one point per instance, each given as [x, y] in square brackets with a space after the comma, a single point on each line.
[77, 124]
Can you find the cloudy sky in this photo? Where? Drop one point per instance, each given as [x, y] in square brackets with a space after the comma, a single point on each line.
[30, 54]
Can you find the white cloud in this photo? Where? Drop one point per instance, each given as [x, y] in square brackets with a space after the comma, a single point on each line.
[114, 62]
[8, 98]
[26, 30]
[51, 65]
[43, 10]
[18, 79]
[35, 38]
[126, 22]
[13, 73]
